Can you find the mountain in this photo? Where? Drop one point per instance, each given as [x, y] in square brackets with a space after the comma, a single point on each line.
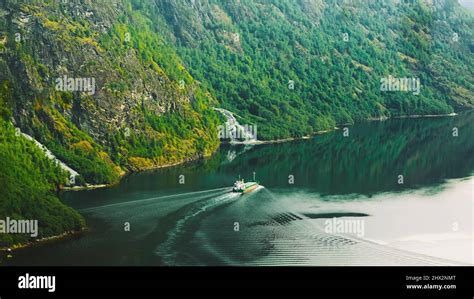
[334, 54]
[126, 85]
[101, 91]
[139, 114]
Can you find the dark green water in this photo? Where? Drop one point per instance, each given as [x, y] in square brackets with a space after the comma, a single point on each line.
[194, 223]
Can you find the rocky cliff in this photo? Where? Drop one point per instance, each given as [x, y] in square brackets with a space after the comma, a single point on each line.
[95, 85]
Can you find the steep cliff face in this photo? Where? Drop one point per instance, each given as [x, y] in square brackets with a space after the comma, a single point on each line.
[97, 87]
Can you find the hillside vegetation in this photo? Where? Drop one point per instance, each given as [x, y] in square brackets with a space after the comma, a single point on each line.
[155, 70]
[29, 182]
[296, 67]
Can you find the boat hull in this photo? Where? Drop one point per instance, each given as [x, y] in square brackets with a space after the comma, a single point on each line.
[249, 187]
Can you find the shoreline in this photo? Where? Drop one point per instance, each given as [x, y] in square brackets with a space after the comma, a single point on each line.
[255, 142]
[424, 115]
[87, 187]
[67, 234]
[125, 174]
[258, 142]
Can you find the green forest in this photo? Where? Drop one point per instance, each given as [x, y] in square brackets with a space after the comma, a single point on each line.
[290, 67]
[29, 183]
[297, 67]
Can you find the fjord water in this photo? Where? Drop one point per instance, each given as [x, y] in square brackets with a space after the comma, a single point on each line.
[427, 220]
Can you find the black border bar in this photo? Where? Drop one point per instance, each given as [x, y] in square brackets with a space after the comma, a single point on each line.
[243, 282]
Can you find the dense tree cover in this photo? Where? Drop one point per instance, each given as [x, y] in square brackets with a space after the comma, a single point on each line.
[291, 67]
[147, 110]
[75, 147]
[168, 119]
[29, 182]
[189, 131]
[336, 52]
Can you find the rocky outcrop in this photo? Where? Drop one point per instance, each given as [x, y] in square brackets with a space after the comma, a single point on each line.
[84, 72]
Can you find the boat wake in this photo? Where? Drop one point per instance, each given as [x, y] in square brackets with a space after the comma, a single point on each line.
[153, 199]
[177, 236]
[219, 227]
[271, 233]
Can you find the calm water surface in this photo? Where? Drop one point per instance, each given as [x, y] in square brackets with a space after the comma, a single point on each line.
[356, 177]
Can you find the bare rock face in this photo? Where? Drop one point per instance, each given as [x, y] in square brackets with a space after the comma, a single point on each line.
[81, 71]
[122, 84]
